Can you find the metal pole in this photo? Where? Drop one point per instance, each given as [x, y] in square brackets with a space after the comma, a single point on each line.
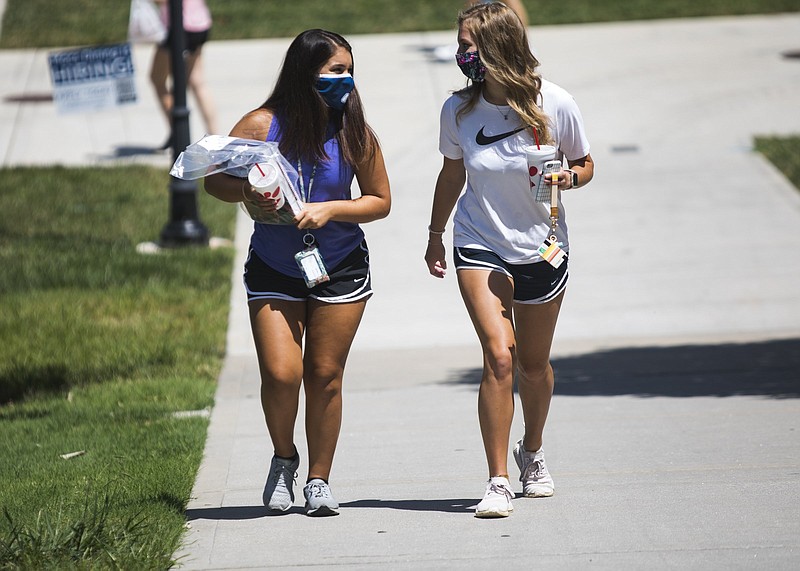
[184, 227]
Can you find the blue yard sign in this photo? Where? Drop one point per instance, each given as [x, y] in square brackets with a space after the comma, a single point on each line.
[94, 78]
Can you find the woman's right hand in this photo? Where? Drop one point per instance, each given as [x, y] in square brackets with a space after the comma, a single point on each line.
[448, 188]
[435, 258]
[257, 200]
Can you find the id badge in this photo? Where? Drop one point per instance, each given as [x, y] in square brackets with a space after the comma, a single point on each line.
[311, 266]
[551, 252]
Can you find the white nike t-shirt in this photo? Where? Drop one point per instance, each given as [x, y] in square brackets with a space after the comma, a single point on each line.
[498, 211]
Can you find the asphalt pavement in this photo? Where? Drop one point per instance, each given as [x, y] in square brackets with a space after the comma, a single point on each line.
[673, 434]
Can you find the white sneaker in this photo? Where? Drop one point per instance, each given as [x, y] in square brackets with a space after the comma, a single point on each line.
[319, 499]
[279, 489]
[496, 501]
[536, 480]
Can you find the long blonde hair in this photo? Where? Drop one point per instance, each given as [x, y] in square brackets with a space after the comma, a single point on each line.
[503, 48]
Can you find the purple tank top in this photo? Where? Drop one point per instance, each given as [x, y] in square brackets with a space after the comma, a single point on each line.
[277, 244]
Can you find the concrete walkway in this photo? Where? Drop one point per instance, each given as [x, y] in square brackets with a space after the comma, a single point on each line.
[673, 433]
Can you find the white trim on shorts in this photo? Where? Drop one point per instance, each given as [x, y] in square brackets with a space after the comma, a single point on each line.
[487, 265]
[554, 293]
[558, 290]
[350, 297]
[354, 296]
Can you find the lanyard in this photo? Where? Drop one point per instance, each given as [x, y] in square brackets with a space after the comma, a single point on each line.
[306, 197]
[308, 238]
[554, 206]
[553, 192]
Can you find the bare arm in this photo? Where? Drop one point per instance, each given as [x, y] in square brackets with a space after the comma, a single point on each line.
[254, 125]
[449, 185]
[583, 167]
[373, 204]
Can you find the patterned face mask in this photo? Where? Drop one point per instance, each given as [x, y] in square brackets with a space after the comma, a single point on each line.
[470, 65]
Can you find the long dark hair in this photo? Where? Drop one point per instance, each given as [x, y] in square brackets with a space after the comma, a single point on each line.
[303, 113]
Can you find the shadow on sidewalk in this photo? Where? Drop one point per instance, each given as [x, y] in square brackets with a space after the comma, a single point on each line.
[770, 369]
[257, 512]
[236, 513]
[446, 506]
[124, 151]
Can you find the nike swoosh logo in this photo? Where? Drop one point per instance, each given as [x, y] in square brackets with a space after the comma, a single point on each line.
[484, 140]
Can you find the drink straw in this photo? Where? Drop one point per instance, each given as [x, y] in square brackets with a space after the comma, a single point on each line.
[536, 137]
[258, 166]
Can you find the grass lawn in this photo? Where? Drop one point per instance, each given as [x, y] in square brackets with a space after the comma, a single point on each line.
[784, 153]
[99, 346]
[93, 22]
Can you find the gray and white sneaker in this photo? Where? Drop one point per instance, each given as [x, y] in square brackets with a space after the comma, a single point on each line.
[536, 480]
[496, 501]
[279, 489]
[319, 500]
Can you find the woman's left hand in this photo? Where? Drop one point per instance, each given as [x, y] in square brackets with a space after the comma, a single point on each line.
[564, 180]
[314, 215]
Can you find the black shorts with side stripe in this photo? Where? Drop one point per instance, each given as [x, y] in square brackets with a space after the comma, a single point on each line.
[534, 283]
[193, 41]
[349, 281]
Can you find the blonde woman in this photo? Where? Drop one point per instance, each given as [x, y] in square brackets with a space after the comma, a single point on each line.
[513, 296]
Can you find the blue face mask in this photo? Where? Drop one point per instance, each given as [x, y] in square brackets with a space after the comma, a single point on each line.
[335, 88]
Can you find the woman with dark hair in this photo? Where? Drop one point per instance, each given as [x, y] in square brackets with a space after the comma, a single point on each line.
[315, 115]
[509, 246]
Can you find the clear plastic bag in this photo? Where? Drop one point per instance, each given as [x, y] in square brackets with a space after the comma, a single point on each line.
[217, 154]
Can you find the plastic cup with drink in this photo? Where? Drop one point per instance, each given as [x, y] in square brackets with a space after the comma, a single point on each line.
[267, 180]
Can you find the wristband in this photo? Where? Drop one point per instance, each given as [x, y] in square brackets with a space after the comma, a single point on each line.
[573, 177]
[437, 233]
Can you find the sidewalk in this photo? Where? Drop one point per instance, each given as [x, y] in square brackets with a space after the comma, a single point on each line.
[672, 437]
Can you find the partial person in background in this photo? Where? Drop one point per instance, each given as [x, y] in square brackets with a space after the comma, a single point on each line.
[446, 53]
[509, 249]
[303, 332]
[197, 28]
[516, 5]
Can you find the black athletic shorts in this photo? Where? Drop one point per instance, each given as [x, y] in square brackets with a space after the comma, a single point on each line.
[349, 281]
[538, 282]
[193, 40]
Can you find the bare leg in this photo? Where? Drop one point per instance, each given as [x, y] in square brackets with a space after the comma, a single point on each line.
[197, 83]
[330, 331]
[159, 77]
[535, 328]
[278, 330]
[488, 297]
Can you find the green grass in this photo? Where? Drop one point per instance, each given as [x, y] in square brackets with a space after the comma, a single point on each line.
[99, 346]
[119, 505]
[93, 22]
[784, 153]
